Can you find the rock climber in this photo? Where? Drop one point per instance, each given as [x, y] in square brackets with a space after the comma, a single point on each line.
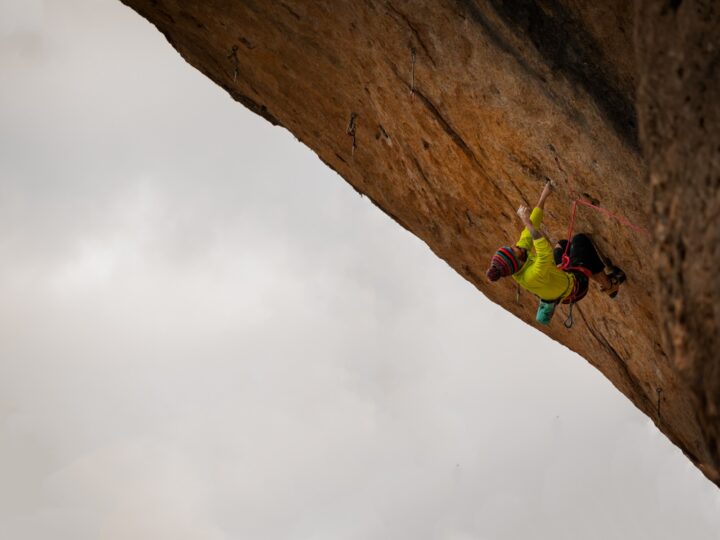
[540, 269]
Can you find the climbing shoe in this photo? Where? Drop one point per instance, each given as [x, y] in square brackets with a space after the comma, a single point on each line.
[616, 277]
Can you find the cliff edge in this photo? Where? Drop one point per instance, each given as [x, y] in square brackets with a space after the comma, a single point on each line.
[450, 114]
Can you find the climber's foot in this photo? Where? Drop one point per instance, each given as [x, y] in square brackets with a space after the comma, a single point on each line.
[616, 277]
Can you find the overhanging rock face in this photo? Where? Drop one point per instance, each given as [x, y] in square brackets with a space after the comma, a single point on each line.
[450, 114]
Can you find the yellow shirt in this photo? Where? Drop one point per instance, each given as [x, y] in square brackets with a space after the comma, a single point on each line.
[539, 274]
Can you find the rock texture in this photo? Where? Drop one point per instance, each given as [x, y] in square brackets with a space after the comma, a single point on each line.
[450, 114]
[678, 46]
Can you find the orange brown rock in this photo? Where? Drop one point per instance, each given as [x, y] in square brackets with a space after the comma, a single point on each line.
[450, 114]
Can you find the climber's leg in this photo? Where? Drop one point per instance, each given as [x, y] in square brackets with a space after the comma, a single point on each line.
[602, 279]
[559, 250]
[583, 253]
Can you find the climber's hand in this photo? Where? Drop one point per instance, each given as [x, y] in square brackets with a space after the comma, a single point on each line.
[544, 195]
[547, 190]
[524, 213]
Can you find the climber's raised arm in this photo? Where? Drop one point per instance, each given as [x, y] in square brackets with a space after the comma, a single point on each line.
[544, 195]
[544, 259]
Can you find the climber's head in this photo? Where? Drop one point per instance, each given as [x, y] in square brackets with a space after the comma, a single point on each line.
[505, 262]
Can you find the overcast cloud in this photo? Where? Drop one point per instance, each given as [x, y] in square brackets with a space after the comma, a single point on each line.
[206, 334]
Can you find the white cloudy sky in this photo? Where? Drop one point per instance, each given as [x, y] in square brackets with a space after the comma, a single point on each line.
[206, 334]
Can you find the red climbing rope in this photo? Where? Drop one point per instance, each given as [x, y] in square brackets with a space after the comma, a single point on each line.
[565, 258]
